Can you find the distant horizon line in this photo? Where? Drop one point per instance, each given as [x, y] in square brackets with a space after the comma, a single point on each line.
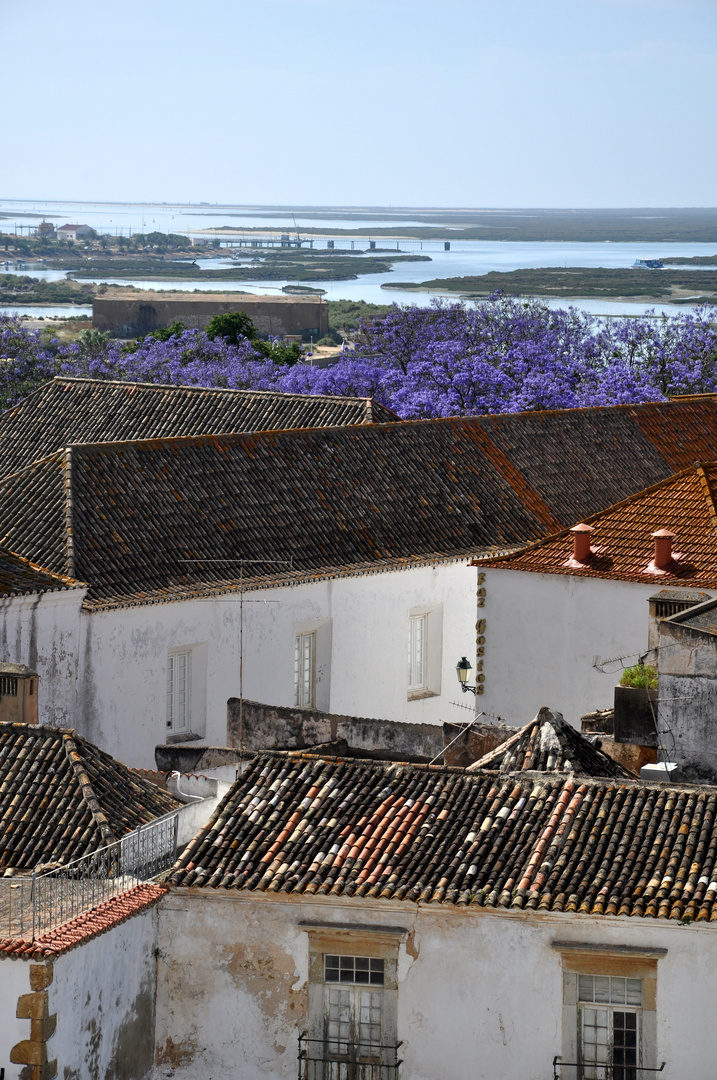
[393, 209]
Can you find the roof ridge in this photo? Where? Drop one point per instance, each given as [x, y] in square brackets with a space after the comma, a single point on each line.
[535, 545]
[709, 495]
[69, 531]
[358, 398]
[74, 758]
[516, 479]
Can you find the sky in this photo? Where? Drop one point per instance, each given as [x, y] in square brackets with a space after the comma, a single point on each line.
[449, 103]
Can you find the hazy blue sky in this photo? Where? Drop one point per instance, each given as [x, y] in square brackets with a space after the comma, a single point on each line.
[401, 102]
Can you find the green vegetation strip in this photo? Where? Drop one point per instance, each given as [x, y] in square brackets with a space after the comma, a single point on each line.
[668, 285]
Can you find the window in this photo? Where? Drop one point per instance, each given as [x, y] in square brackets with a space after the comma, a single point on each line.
[354, 1013]
[304, 670]
[179, 676]
[609, 1027]
[609, 1011]
[352, 1028]
[417, 652]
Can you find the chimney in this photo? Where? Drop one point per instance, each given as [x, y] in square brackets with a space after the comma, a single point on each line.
[581, 542]
[18, 694]
[663, 549]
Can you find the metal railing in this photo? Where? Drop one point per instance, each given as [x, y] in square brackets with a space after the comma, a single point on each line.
[585, 1071]
[355, 1062]
[32, 905]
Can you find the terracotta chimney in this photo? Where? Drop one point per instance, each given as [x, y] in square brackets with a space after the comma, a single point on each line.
[663, 549]
[581, 542]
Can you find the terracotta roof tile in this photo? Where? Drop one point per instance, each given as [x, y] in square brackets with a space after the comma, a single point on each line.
[622, 548]
[89, 924]
[164, 518]
[135, 519]
[19, 576]
[70, 410]
[549, 744]
[61, 797]
[305, 825]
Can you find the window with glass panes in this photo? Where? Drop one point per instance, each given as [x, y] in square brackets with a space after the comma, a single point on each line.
[179, 674]
[417, 652]
[609, 1009]
[304, 666]
[354, 1005]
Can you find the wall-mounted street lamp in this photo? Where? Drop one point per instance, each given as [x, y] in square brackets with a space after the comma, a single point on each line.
[463, 670]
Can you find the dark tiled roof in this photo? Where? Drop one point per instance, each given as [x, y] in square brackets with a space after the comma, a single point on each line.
[302, 825]
[702, 617]
[61, 797]
[18, 576]
[122, 516]
[330, 500]
[549, 744]
[98, 920]
[67, 411]
[621, 538]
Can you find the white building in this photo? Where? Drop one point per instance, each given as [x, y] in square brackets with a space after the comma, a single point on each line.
[457, 922]
[558, 610]
[350, 546]
[73, 232]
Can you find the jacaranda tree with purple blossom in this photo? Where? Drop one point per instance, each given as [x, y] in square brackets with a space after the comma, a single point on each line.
[504, 355]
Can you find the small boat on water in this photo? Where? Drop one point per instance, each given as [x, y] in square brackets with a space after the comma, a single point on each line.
[648, 264]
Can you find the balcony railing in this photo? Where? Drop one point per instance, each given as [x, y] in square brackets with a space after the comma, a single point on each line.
[581, 1070]
[32, 904]
[356, 1061]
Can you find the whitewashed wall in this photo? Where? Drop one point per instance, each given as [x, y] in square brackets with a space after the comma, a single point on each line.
[544, 632]
[479, 994]
[14, 981]
[43, 631]
[362, 634]
[104, 993]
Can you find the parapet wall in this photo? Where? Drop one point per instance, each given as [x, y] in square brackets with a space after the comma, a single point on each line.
[276, 727]
[142, 312]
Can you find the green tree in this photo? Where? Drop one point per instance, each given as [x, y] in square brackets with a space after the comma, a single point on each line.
[233, 325]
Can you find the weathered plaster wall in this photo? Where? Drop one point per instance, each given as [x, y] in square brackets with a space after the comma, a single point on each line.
[43, 632]
[14, 981]
[479, 994]
[687, 700]
[269, 727]
[360, 664]
[543, 633]
[104, 993]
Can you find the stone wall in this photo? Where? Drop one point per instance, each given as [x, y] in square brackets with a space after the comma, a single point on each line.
[276, 727]
[273, 316]
[688, 701]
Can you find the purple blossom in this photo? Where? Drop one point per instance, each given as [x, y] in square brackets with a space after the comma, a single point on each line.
[504, 355]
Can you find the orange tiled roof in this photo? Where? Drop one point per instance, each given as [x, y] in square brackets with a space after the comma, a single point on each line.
[90, 924]
[622, 548]
[306, 825]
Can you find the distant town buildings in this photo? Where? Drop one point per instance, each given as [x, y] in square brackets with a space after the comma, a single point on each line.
[73, 232]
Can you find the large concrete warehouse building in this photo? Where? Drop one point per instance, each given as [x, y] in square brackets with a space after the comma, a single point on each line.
[138, 312]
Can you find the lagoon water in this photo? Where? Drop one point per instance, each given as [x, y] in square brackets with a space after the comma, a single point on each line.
[466, 257]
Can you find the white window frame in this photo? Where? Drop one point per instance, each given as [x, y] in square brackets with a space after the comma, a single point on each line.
[353, 1007]
[179, 692]
[600, 999]
[305, 669]
[418, 653]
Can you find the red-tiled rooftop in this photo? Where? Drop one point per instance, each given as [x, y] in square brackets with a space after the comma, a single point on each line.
[304, 825]
[82, 928]
[622, 537]
[168, 518]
